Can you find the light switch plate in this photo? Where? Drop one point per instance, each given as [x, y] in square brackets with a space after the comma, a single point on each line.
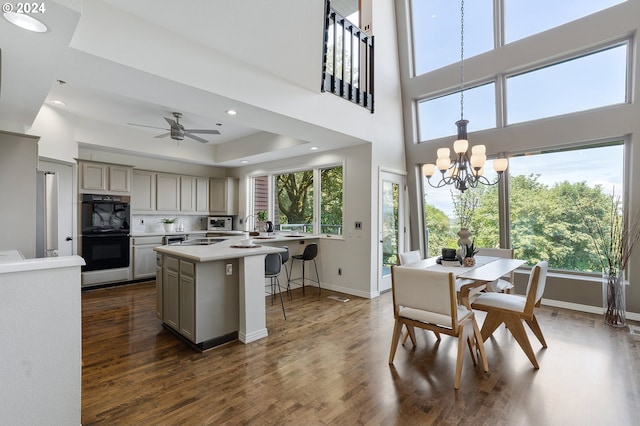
[229, 269]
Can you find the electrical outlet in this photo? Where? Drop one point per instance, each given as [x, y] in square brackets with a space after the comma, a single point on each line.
[358, 226]
[141, 221]
[339, 271]
[229, 269]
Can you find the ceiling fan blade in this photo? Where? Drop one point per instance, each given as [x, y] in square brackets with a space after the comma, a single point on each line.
[171, 122]
[209, 132]
[195, 138]
[164, 135]
[144, 125]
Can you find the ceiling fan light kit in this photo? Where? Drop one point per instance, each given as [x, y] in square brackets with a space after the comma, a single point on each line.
[178, 132]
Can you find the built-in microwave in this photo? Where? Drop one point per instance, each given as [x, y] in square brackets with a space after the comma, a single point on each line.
[220, 223]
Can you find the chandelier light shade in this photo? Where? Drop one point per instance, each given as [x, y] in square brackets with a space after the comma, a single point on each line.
[465, 171]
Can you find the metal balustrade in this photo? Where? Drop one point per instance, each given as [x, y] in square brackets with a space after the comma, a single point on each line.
[347, 64]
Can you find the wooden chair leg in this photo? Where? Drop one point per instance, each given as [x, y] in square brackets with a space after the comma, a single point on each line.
[412, 334]
[491, 322]
[397, 331]
[516, 327]
[480, 346]
[535, 327]
[462, 336]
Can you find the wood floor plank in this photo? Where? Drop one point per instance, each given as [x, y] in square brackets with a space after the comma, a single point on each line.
[328, 364]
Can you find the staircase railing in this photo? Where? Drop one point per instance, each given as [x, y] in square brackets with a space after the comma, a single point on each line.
[347, 65]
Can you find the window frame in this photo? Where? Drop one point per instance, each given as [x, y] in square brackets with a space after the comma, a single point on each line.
[316, 204]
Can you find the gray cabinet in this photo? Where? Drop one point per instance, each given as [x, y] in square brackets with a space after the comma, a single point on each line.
[167, 192]
[202, 195]
[144, 258]
[159, 288]
[102, 177]
[143, 191]
[171, 292]
[223, 196]
[187, 300]
[187, 194]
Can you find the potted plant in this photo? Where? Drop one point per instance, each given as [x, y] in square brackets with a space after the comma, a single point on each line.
[469, 251]
[169, 224]
[262, 218]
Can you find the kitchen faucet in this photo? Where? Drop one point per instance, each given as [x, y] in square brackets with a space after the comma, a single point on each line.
[245, 221]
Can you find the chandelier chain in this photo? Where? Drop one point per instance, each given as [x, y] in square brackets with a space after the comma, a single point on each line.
[461, 60]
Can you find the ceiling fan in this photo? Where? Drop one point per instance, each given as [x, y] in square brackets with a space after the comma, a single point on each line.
[177, 130]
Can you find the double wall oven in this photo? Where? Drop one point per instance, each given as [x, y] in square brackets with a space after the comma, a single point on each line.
[105, 231]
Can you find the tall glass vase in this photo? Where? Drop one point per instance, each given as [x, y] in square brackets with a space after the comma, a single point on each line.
[613, 297]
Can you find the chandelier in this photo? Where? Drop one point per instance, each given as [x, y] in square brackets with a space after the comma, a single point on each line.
[465, 171]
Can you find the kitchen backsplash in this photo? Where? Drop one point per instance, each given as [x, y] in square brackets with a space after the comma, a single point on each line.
[153, 223]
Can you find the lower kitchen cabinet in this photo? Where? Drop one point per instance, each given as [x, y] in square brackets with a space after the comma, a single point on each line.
[144, 258]
[200, 301]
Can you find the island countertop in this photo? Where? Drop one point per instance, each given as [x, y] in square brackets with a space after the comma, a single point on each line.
[225, 249]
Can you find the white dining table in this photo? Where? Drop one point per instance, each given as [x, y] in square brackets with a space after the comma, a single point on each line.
[472, 279]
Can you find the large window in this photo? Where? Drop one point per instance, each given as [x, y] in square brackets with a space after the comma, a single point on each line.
[551, 194]
[295, 205]
[525, 18]
[436, 31]
[437, 116]
[566, 87]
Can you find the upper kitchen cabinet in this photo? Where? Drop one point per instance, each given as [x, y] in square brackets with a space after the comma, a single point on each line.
[143, 191]
[187, 194]
[202, 195]
[167, 193]
[104, 178]
[223, 196]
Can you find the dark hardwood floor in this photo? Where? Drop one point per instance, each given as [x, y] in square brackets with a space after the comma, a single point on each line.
[328, 364]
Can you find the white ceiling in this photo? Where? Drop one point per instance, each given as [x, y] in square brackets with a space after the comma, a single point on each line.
[102, 88]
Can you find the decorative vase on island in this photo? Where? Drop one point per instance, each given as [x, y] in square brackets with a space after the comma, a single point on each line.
[613, 297]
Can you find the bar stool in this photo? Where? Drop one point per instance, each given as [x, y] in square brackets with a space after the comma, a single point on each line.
[309, 254]
[285, 259]
[272, 269]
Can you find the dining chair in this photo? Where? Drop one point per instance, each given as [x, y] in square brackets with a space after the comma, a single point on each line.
[405, 258]
[513, 309]
[501, 285]
[409, 257]
[272, 269]
[427, 299]
[285, 259]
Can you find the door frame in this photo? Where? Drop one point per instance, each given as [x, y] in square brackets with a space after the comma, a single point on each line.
[399, 177]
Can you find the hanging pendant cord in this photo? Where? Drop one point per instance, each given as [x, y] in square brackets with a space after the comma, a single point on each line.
[461, 59]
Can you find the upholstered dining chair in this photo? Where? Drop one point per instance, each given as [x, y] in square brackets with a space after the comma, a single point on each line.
[427, 299]
[513, 309]
[409, 257]
[501, 285]
[405, 258]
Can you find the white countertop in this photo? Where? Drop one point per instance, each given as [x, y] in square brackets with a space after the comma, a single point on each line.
[162, 233]
[19, 264]
[224, 249]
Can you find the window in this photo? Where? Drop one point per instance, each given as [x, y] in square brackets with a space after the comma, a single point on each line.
[331, 201]
[549, 195]
[294, 204]
[437, 116]
[525, 18]
[567, 87]
[436, 31]
[446, 210]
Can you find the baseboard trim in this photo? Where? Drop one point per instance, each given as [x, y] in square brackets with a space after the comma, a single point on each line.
[584, 308]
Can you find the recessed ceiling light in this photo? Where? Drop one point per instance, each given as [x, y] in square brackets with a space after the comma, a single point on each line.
[244, 162]
[26, 22]
[314, 148]
[59, 103]
[232, 112]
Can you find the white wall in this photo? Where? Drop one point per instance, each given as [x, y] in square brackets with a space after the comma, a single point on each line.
[56, 130]
[40, 342]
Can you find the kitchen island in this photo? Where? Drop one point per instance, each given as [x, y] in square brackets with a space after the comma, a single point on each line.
[211, 294]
